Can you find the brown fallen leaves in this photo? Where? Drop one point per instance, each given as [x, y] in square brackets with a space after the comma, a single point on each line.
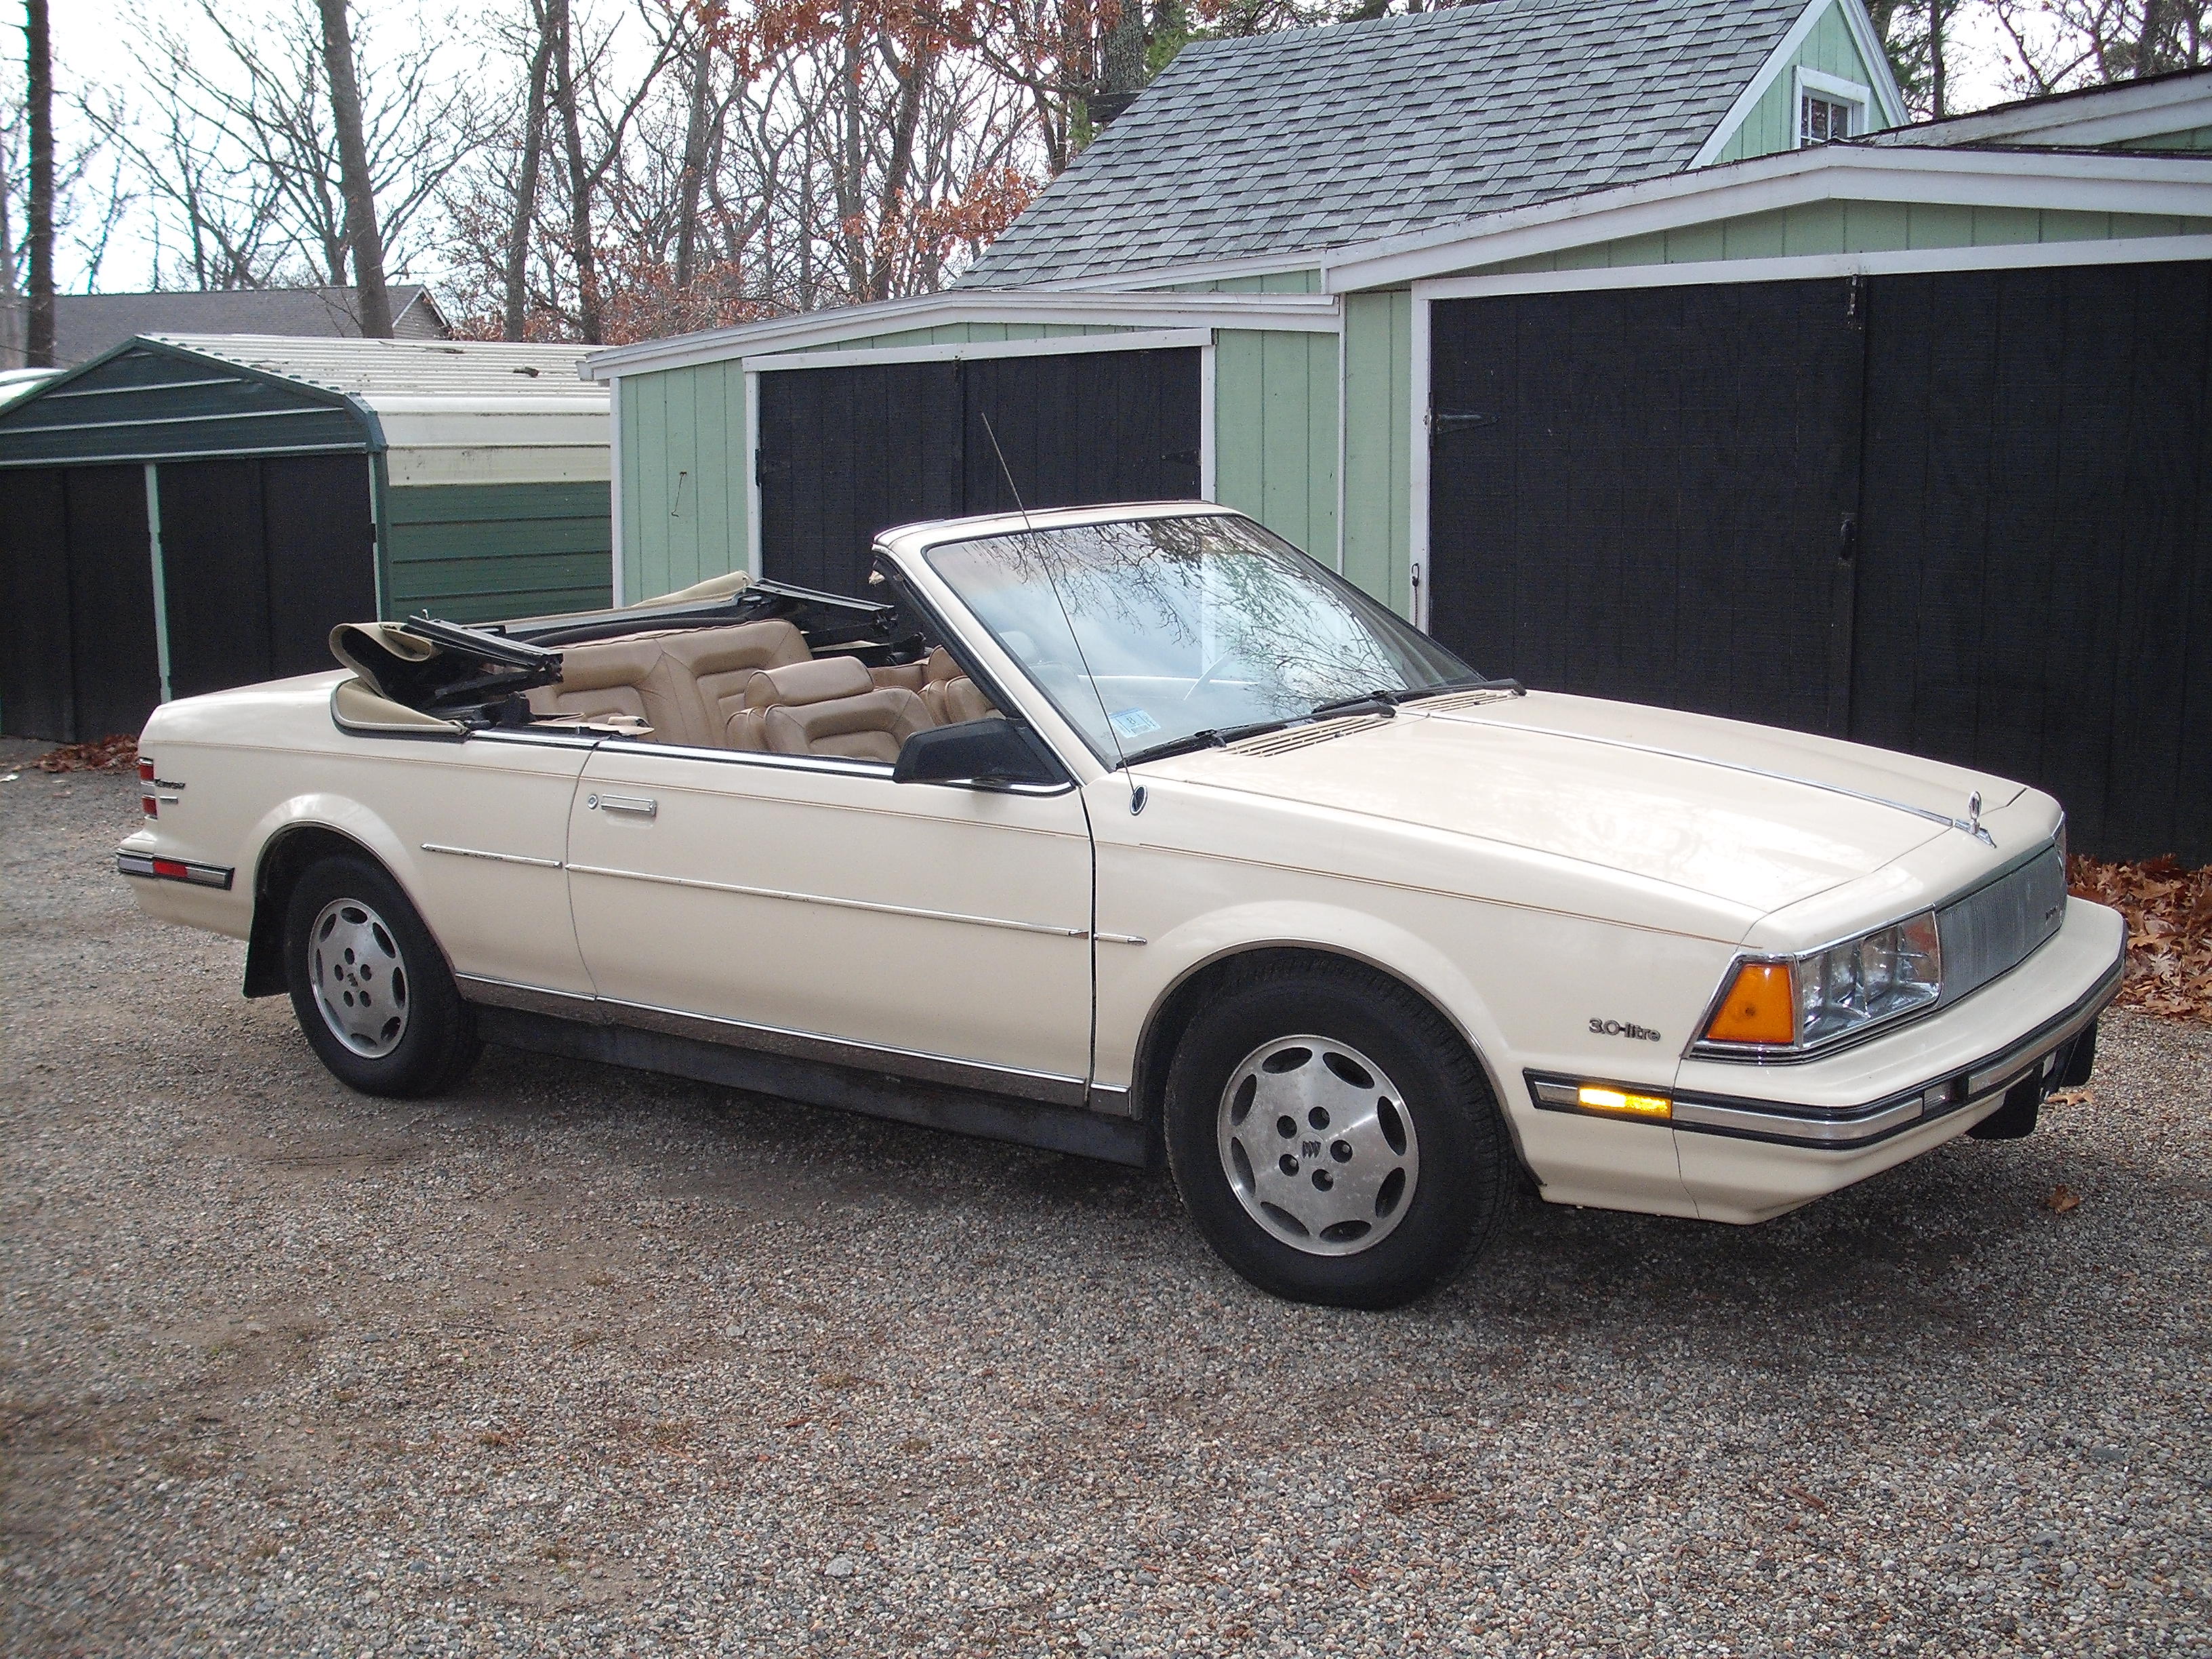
[2062, 1200]
[2169, 912]
[119, 753]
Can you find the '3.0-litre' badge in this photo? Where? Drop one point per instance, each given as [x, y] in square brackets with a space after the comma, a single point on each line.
[1622, 1028]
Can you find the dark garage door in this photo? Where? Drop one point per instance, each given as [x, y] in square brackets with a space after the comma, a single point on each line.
[261, 558]
[846, 452]
[1964, 515]
[80, 659]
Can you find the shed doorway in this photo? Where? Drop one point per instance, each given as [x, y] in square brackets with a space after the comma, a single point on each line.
[846, 452]
[1967, 515]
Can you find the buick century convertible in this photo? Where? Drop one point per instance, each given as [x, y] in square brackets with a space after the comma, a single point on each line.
[1135, 833]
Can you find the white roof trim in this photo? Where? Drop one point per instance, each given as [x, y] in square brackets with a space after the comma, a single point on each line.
[1310, 313]
[1063, 345]
[2016, 256]
[1888, 99]
[2103, 115]
[2177, 183]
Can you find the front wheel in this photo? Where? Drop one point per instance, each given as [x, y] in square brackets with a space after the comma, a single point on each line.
[1333, 1137]
[369, 985]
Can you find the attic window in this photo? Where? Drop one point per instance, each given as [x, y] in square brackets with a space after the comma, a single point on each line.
[1829, 107]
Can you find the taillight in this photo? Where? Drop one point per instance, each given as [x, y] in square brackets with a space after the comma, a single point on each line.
[149, 806]
[145, 770]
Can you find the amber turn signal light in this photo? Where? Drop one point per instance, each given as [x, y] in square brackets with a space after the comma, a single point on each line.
[1598, 1099]
[1760, 1007]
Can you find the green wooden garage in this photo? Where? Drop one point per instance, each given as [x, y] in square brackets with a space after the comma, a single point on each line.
[187, 513]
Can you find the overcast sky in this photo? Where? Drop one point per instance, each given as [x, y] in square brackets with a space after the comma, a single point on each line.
[86, 48]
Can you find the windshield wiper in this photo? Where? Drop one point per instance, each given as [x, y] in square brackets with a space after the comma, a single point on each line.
[1212, 737]
[1374, 702]
[1461, 682]
[1387, 701]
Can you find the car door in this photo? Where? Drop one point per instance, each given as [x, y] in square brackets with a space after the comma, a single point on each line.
[813, 906]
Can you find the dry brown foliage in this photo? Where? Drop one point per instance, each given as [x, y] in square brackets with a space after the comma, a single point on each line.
[2168, 909]
[119, 753]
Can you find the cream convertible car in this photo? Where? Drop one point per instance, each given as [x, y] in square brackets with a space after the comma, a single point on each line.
[1131, 832]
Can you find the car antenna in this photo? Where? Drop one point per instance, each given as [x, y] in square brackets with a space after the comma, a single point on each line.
[1136, 789]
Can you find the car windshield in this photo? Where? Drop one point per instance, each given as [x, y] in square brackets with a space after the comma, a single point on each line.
[1185, 631]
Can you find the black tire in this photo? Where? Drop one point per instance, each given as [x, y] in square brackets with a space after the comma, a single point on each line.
[427, 1039]
[1462, 1180]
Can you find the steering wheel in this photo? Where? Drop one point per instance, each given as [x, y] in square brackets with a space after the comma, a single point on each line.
[1207, 679]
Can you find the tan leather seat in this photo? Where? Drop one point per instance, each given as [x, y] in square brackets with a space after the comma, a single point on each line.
[720, 663]
[614, 677]
[685, 684]
[827, 706]
[947, 692]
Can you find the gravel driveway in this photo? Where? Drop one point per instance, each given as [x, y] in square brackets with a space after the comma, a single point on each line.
[586, 1362]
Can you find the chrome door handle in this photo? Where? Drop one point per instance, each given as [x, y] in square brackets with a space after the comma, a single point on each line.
[642, 806]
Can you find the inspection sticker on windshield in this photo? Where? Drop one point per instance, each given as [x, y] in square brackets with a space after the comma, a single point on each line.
[1133, 723]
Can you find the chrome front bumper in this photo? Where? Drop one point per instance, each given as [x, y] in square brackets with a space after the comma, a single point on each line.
[2041, 1053]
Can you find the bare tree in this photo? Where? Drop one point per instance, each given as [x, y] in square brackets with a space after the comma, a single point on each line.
[364, 242]
[2057, 45]
[38, 79]
[237, 151]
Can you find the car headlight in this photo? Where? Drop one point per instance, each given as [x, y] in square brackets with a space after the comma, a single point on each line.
[1783, 1006]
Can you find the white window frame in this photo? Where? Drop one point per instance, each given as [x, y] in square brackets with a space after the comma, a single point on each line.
[1835, 90]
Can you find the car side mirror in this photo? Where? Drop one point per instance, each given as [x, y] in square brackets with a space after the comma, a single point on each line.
[992, 752]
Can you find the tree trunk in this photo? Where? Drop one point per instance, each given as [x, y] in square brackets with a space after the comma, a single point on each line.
[2153, 23]
[588, 321]
[39, 333]
[362, 233]
[525, 181]
[694, 158]
[1122, 63]
[1937, 70]
[912, 76]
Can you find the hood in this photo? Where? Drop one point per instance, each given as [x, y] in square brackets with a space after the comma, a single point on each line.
[1748, 815]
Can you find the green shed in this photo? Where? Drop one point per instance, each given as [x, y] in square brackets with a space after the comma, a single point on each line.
[1639, 347]
[187, 513]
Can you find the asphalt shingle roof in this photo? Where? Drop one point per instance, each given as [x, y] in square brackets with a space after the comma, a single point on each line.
[1314, 138]
[85, 325]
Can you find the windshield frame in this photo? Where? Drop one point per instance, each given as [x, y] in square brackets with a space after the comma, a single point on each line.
[911, 550]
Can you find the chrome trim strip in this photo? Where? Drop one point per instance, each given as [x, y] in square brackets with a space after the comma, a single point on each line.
[494, 858]
[1831, 1132]
[535, 999]
[833, 903]
[1112, 1099]
[196, 874]
[1971, 827]
[1119, 939]
[1047, 1087]
[839, 766]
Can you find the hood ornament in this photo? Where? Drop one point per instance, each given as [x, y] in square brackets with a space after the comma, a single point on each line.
[1971, 824]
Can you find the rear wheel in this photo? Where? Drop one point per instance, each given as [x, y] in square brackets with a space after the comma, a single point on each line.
[369, 986]
[1333, 1137]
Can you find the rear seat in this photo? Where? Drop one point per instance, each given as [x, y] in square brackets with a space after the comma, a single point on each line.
[829, 706]
[756, 686]
[685, 686]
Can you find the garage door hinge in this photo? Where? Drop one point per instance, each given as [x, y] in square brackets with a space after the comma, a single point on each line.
[1854, 302]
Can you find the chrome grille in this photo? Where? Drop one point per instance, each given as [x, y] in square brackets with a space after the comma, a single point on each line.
[1993, 929]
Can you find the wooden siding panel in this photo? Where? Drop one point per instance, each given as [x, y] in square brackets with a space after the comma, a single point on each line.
[1772, 124]
[1378, 443]
[483, 552]
[1240, 474]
